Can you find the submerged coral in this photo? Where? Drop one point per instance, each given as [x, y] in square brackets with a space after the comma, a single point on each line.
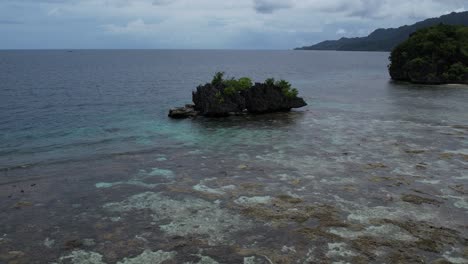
[187, 216]
[147, 257]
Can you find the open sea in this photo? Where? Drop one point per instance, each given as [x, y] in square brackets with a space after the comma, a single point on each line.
[93, 171]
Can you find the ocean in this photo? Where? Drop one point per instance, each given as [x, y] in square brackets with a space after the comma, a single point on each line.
[93, 171]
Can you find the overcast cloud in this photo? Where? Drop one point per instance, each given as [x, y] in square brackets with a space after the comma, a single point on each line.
[210, 24]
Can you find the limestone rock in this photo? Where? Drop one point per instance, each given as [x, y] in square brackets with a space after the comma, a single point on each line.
[211, 101]
[262, 98]
[183, 112]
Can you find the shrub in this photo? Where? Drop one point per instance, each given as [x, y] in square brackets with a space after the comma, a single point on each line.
[245, 83]
[456, 72]
[233, 86]
[284, 85]
[286, 89]
[217, 79]
[270, 82]
[292, 93]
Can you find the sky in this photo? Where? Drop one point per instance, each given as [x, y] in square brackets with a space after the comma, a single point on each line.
[202, 24]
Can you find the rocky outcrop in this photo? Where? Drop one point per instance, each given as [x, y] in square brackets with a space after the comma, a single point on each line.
[435, 55]
[225, 97]
[262, 98]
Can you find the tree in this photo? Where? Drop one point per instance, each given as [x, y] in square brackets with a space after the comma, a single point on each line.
[433, 55]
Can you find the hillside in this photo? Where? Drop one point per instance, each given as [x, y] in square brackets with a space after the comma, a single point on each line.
[433, 55]
[387, 39]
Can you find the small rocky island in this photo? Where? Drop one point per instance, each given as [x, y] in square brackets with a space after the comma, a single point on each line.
[223, 97]
[434, 55]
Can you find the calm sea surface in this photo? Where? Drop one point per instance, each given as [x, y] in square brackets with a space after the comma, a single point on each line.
[93, 171]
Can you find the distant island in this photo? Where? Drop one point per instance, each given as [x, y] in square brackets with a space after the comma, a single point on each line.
[387, 39]
[434, 55]
[223, 97]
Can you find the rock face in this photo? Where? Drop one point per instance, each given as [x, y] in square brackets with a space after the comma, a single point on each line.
[211, 101]
[262, 98]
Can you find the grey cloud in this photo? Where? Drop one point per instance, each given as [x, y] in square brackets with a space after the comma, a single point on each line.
[414, 9]
[204, 23]
[43, 1]
[270, 6]
[10, 22]
[162, 2]
[368, 9]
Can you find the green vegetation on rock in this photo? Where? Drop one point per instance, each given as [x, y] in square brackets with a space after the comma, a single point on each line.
[286, 88]
[233, 85]
[434, 55]
[217, 79]
[270, 82]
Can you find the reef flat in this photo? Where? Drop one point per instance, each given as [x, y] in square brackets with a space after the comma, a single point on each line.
[347, 198]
